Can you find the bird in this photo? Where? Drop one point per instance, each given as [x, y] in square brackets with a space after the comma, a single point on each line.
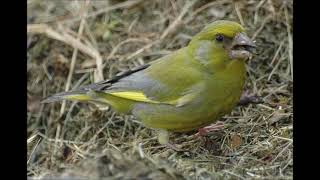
[188, 89]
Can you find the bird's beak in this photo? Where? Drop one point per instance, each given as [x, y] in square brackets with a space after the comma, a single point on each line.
[242, 47]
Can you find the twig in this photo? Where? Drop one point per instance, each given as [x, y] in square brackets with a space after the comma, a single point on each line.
[290, 41]
[99, 131]
[91, 36]
[282, 138]
[274, 69]
[236, 6]
[74, 56]
[255, 18]
[236, 175]
[261, 27]
[67, 39]
[142, 49]
[33, 150]
[285, 148]
[125, 4]
[117, 47]
[174, 7]
[58, 140]
[172, 26]
[29, 140]
[46, 71]
[140, 150]
[45, 29]
[71, 177]
[277, 53]
[177, 21]
[290, 162]
[202, 8]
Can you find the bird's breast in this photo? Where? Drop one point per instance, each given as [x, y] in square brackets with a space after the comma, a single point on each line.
[220, 94]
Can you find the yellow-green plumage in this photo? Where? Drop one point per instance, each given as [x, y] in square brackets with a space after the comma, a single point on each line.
[185, 90]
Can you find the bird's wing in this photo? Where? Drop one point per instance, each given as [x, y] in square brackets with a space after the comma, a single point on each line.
[104, 85]
[158, 82]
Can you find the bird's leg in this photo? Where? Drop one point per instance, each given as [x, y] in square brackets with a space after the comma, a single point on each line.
[163, 138]
[246, 99]
[213, 127]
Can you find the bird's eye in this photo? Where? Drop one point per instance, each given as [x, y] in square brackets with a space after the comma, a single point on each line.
[219, 38]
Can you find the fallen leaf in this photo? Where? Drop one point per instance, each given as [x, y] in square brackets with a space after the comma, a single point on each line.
[235, 141]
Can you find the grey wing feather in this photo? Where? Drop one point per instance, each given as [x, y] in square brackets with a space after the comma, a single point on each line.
[104, 85]
[132, 80]
[100, 86]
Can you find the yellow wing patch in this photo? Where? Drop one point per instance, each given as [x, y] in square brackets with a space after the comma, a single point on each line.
[79, 97]
[141, 97]
[136, 96]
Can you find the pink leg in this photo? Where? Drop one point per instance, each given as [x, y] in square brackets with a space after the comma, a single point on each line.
[213, 127]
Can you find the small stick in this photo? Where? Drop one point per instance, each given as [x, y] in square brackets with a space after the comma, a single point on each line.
[236, 6]
[172, 26]
[202, 8]
[261, 27]
[177, 21]
[74, 57]
[67, 39]
[277, 53]
[290, 41]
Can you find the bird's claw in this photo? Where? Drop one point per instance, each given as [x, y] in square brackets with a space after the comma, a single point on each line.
[249, 99]
[213, 127]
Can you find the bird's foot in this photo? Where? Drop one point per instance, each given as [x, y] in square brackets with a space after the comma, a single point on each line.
[163, 138]
[246, 99]
[213, 127]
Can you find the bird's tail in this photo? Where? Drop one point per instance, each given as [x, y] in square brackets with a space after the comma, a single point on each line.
[99, 98]
[78, 95]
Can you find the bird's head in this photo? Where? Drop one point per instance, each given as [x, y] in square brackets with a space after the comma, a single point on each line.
[220, 43]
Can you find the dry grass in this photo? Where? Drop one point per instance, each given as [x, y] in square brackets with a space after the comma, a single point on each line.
[88, 37]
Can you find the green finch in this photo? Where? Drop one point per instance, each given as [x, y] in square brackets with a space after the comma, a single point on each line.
[187, 89]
